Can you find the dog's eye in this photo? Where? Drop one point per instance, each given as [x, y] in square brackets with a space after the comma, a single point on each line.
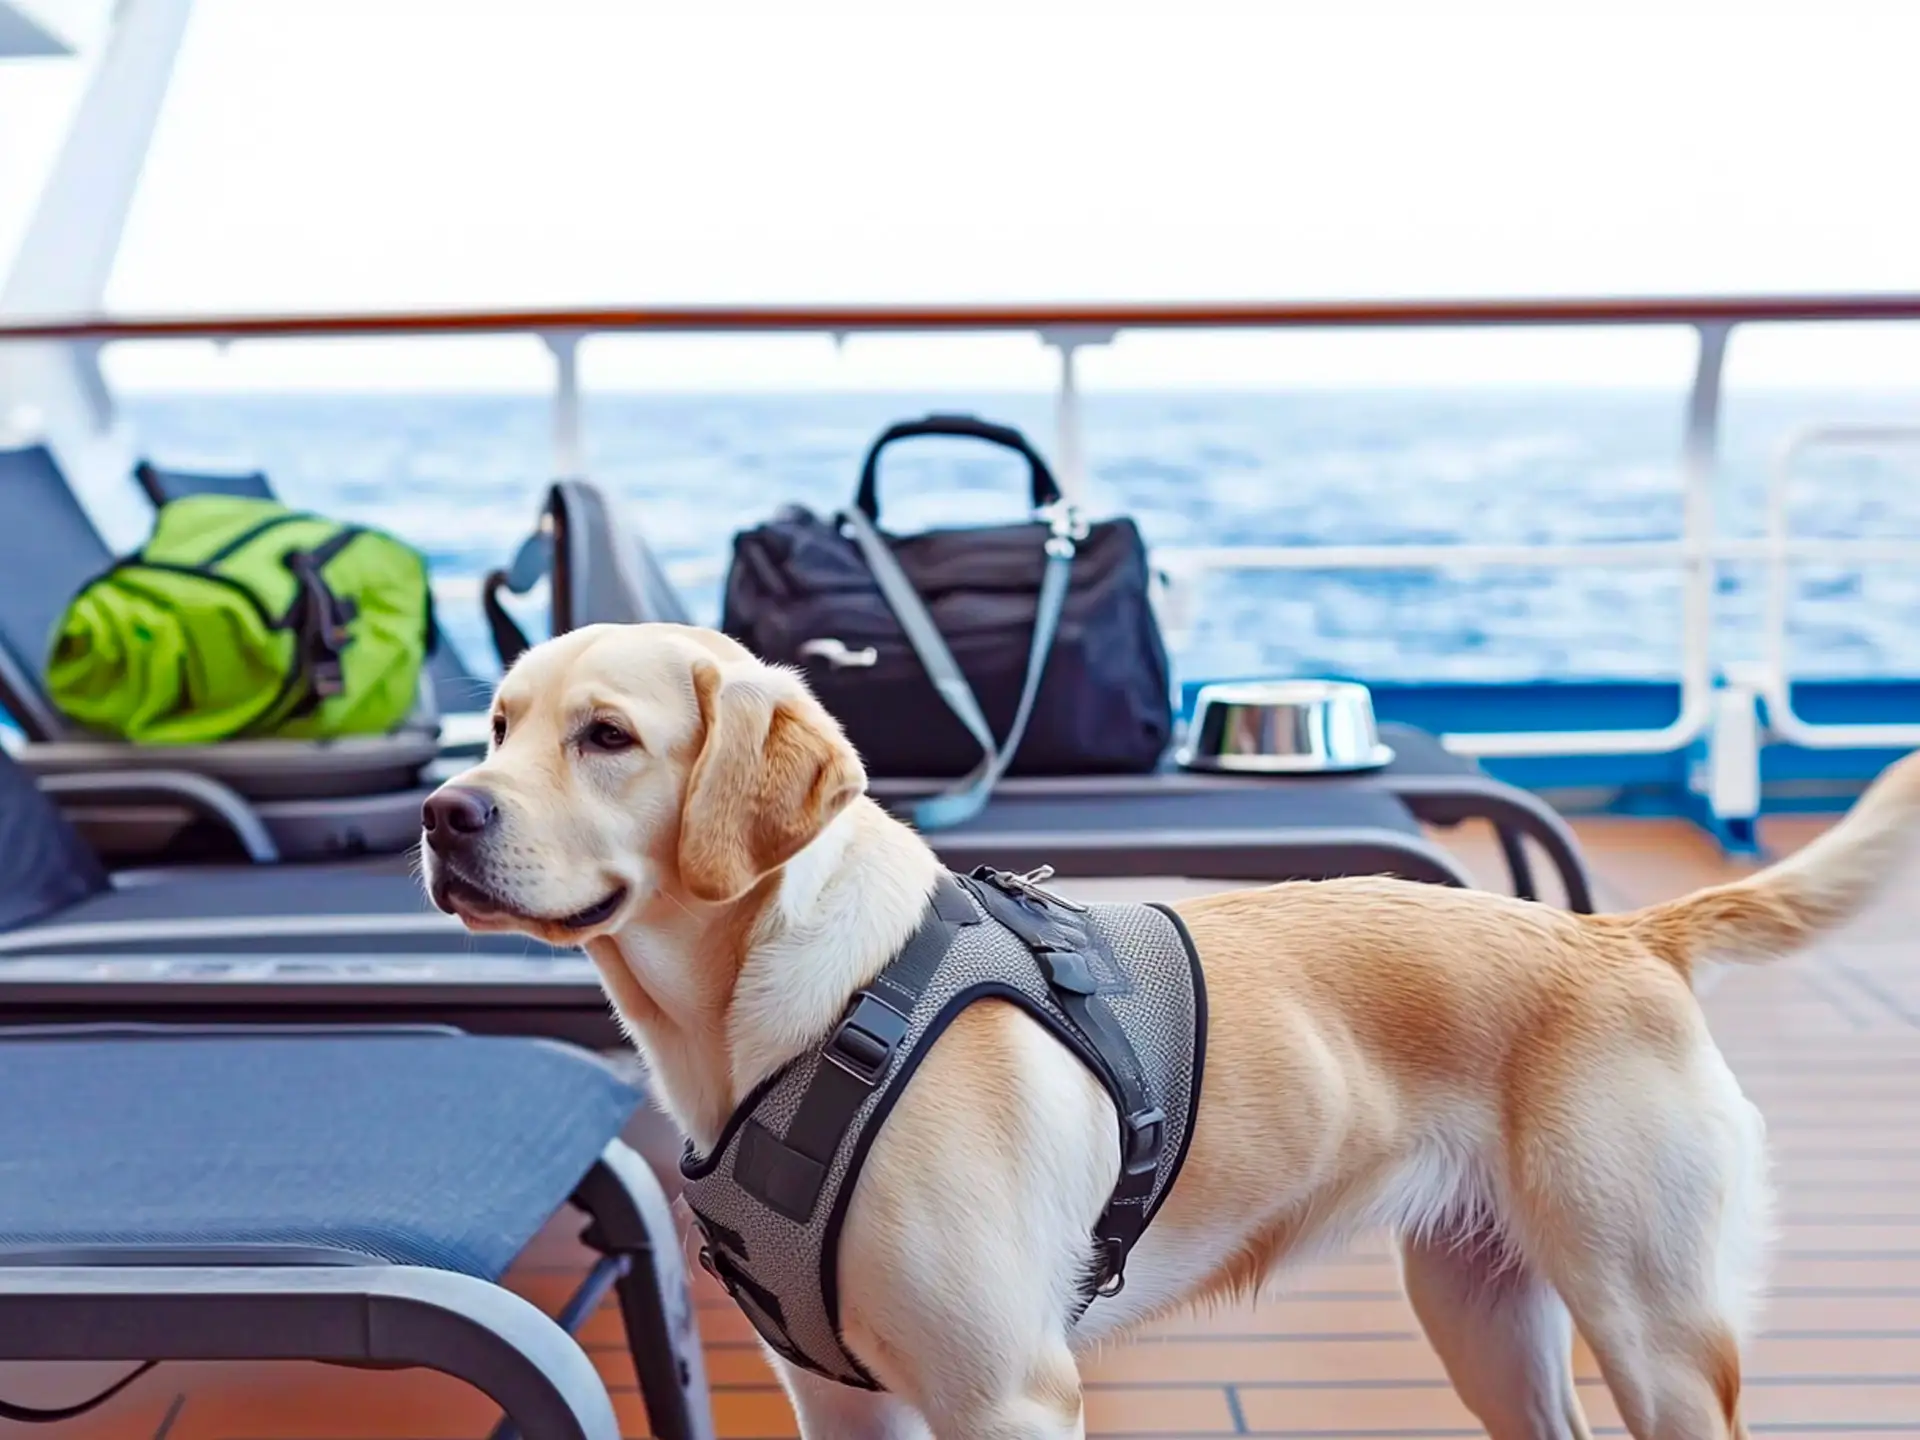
[606, 736]
[499, 730]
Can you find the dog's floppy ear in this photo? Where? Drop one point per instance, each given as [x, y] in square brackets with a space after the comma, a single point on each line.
[774, 769]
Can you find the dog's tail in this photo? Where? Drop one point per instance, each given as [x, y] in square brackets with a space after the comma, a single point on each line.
[1784, 907]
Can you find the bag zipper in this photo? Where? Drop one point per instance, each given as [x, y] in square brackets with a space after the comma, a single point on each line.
[166, 567]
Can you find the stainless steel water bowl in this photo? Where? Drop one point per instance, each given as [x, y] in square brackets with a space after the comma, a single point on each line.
[1284, 727]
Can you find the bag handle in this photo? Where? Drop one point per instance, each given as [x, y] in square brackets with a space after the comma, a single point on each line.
[969, 795]
[531, 563]
[1046, 490]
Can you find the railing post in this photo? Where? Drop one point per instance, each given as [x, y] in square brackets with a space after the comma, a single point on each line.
[1699, 465]
[1731, 781]
[568, 462]
[1732, 777]
[1069, 453]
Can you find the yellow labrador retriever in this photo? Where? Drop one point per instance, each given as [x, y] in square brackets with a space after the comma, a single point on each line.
[1529, 1099]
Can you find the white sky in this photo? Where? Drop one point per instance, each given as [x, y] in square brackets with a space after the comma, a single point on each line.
[370, 154]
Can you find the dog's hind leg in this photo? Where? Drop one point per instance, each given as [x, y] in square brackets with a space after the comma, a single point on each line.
[1651, 1218]
[1501, 1331]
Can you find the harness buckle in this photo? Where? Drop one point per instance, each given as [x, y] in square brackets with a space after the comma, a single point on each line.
[1146, 1138]
[867, 1039]
[1028, 886]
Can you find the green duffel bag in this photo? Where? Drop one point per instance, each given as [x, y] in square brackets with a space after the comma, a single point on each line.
[242, 618]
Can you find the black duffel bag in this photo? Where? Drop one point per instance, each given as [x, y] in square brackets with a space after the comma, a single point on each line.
[1026, 649]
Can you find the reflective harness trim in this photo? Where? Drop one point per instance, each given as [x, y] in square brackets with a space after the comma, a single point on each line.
[789, 1172]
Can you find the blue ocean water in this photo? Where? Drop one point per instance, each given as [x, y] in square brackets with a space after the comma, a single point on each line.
[460, 476]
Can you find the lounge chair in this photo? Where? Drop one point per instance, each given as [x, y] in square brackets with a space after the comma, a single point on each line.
[355, 943]
[314, 797]
[342, 941]
[597, 569]
[164, 485]
[1247, 827]
[456, 689]
[351, 1195]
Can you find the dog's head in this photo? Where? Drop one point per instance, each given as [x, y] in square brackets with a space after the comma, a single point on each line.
[630, 761]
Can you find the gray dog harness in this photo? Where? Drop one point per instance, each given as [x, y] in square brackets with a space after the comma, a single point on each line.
[1118, 985]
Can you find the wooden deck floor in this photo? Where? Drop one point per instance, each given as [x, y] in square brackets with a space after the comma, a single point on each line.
[1828, 1047]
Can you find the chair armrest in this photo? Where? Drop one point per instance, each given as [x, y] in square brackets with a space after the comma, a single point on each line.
[205, 797]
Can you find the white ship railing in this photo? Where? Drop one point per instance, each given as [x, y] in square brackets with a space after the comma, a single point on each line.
[1697, 553]
[1782, 550]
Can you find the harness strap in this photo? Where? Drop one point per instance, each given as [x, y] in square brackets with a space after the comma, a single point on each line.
[1079, 970]
[788, 1173]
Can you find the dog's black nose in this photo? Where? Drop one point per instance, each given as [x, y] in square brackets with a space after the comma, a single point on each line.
[452, 816]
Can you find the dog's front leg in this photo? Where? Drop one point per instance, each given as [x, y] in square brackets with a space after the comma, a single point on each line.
[1038, 1401]
[829, 1411]
[1045, 1406]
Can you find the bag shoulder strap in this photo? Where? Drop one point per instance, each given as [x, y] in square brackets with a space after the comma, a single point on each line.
[969, 795]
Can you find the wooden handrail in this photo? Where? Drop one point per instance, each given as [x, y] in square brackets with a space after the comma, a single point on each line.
[830, 319]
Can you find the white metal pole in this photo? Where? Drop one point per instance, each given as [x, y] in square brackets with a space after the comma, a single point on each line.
[1699, 461]
[65, 256]
[1066, 426]
[1069, 444]
[568, 461]
[55, 392]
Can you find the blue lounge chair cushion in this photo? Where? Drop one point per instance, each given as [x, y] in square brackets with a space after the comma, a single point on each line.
[419, 1147]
